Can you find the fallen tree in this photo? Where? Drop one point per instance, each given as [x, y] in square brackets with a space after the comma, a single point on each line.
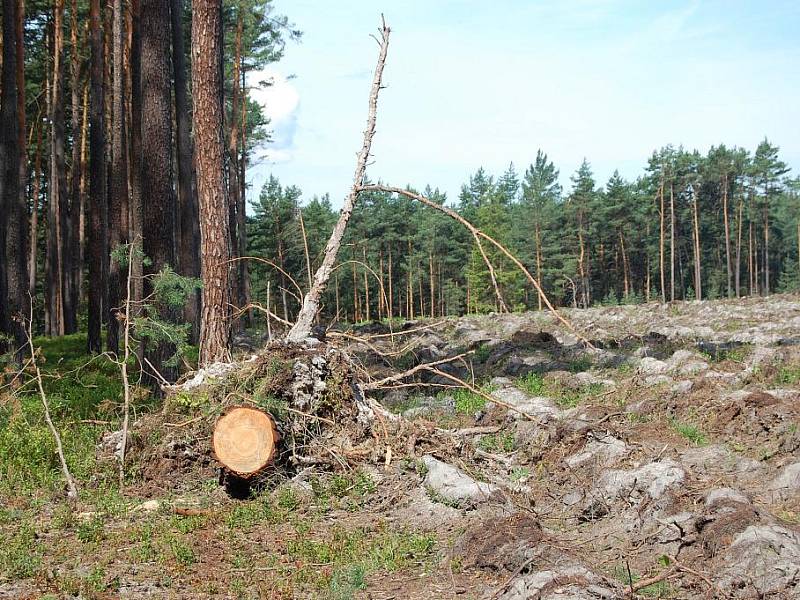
[310, 395]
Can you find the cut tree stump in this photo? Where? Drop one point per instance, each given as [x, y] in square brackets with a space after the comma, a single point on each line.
[244, 440]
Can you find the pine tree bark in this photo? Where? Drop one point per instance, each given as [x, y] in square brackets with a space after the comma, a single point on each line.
[34, 232]
[189, 239]
[14, 263]
[57, 301]
[158, 202]
[232, 164]
[98, 240]
[22, 127]
[214, 233]
[118, 218]
[135, 208]
[76, 200]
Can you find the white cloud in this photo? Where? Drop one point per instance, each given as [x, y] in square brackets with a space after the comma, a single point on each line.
[277, 95]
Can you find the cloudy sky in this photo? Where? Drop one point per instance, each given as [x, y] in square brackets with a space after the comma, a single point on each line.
[473, 83]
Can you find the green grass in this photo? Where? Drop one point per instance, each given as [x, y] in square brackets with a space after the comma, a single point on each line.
[467, 402]
[691, 432]
[660, 589]
[497, 443]
[789, 375]
[483, 352]
[532, 384]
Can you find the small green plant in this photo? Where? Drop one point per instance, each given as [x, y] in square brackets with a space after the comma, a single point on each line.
[497, 442]
[19, 555]
[91, 531]
[789, 375]
[584, 363]
[181, 552]
[483, 352]
[532, 384]
[520, 473]
[468, 402]
[691, 432]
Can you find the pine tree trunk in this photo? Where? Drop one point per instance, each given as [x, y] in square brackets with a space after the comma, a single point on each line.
[738, 271]
[433, 286]
[135, 216]
[366, 286]
[671, 243]
[56, 240]
[77, 168]
[97, 179]
[241, 223]
[118, 217]
[189, 250]
[767, 287]
[661, 253]
[214, 234]
[158, 203]
[34, 233]
[14, 265]
[626, 289]
[391, 295]
[22, 128]
[726, 219]
[232, 166]
[539, 262]
[698, 282]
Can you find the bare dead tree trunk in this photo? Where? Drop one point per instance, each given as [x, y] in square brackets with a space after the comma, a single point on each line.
[214, 233]
[305, 319]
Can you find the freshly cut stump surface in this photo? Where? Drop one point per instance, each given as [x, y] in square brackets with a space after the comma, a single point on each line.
[244, 440]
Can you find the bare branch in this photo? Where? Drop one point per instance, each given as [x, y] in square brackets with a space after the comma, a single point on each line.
[308, 313]
[477, 234]
[72, 491]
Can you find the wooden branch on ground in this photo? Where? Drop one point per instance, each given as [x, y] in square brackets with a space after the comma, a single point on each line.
[72, 491]
[305, 320]
[478, 234]
[375, 385]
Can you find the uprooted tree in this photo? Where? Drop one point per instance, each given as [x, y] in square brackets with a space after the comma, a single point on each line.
[313, 392]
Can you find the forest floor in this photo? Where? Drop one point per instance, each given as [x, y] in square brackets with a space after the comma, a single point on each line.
[663, 463]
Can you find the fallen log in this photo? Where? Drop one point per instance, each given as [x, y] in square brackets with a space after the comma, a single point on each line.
[244, 440]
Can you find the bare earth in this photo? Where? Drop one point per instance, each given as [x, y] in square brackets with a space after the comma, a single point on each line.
[665, 462]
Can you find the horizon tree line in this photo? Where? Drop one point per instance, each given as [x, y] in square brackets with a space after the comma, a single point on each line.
[692, 226]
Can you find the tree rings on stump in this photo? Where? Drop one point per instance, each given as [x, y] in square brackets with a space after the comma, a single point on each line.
[244, 440]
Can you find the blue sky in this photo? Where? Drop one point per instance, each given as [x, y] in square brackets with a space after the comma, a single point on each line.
[474, 83]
